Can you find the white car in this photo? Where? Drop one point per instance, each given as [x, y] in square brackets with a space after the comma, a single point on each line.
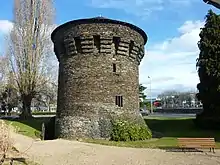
[144, 112]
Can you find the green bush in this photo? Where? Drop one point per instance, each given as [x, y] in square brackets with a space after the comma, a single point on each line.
[125, 130]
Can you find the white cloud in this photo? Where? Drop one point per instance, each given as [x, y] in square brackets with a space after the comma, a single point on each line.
[141, 8]
[189, 26]
[137, 7]
[171, 64]
[5, 26]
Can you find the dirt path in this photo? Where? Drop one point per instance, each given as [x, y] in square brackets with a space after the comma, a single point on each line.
[64, 152]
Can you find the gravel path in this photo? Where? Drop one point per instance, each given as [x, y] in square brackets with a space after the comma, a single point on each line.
[64, 152]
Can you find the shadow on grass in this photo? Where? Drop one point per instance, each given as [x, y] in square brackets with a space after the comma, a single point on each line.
[18, 160]
[35, 123]
[176, 128]
[21, 160]
[31, 127]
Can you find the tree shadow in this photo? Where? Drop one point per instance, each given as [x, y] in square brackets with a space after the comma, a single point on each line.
[15, 160]
[206, 152]
[21, 160]
[177, 149]
[35, 122]
[180, 128]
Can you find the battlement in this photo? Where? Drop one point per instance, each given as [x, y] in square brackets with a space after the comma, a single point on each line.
[95, 44]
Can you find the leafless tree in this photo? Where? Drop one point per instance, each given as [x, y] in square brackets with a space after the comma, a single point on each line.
[30, 49]
[3, 72]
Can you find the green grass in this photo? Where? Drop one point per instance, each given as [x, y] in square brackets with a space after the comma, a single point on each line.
[30, 128]
[21, 161]
[170, 128]
[152, 143]
[179, 127]
[43, 113]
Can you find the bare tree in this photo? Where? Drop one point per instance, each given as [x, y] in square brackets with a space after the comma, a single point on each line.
[30, 49]
[47, 97]
[3, 72]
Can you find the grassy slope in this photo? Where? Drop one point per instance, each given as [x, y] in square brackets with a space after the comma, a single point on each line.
[27, 128]
[31, 128]
[20, 162]
[169, 127]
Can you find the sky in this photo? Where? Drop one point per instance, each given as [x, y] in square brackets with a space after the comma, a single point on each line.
[172, 27]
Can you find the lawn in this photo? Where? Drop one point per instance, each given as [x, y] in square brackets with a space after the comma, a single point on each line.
[31, 128]
[20, 161]
[169, 128]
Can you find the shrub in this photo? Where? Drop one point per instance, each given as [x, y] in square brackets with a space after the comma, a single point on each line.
[127, 130]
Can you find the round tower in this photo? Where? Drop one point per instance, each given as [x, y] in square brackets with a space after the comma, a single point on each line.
[98, 74]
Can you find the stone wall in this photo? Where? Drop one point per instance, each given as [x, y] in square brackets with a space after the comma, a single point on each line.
[99, 38]
[97, 63]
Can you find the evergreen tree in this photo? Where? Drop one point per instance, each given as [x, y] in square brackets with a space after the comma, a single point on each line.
[141, 91]
[208, 65]
[141, 94]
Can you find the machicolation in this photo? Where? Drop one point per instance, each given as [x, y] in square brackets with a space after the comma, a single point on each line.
[98, 75]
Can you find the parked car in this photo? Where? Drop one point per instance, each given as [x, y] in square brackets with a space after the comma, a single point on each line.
[144, 112]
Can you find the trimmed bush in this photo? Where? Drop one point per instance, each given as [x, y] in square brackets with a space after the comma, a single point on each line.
[126, 130]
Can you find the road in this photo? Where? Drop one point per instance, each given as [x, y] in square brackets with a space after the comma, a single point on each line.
[169, 115]
[36, 116]
[172, 115]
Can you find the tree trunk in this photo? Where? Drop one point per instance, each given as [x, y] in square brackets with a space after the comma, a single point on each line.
[48, 106]
[26, 107]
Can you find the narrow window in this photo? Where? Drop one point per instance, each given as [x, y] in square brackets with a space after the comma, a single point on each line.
[78, 44]
[114, 67]
[116, 41]
[119, 101]
[97, 42]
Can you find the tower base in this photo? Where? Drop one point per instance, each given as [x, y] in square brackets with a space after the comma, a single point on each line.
[96, 125]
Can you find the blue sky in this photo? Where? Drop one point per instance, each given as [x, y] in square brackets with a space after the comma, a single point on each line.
[171, 25]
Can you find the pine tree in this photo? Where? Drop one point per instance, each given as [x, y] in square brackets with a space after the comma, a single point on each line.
[208, 65]
[142, 96]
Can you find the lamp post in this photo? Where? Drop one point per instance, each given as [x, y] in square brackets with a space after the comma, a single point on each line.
[151, 104]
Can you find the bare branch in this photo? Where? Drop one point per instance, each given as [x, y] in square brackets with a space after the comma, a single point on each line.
[29, 46]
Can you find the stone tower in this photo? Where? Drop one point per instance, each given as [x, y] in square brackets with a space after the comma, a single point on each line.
[98, 74]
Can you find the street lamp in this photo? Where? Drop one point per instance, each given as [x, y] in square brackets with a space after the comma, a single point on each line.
[151, 104]
[215, 3]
